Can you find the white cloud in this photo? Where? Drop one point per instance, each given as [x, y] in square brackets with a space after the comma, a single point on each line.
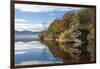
[28, 45]
[20, 52]
[24, 47]
[29, 27]
[20, 20]
[39, 8]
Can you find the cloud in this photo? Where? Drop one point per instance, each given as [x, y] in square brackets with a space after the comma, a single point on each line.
[20, 20]
[24, 47]
[20, 52]
[29, 27]
[39, 8]
[28, 45]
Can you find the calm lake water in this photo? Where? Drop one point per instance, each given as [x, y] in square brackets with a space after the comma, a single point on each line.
[28, 50]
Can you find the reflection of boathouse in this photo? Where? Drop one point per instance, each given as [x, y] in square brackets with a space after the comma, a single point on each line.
[80, 33]
[79, 36]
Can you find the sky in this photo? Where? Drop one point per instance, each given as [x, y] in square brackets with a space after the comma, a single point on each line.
[33, 17]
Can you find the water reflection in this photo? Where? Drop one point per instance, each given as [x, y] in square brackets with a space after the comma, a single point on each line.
[85, 55]
[29, 50]
[27, 53]
[70, 52]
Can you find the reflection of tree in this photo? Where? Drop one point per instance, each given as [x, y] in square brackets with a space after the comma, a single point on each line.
[64, 52]
[58, 52]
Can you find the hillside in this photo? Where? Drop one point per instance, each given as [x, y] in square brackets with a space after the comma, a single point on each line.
[60, 30]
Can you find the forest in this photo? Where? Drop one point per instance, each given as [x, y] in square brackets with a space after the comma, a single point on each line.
[72, 36]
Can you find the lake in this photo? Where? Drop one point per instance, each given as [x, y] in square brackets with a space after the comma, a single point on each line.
[29, 51]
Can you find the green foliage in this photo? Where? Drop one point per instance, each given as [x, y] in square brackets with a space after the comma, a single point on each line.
[84, 16]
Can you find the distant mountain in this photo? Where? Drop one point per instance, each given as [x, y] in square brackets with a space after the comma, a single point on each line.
[25, 32]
